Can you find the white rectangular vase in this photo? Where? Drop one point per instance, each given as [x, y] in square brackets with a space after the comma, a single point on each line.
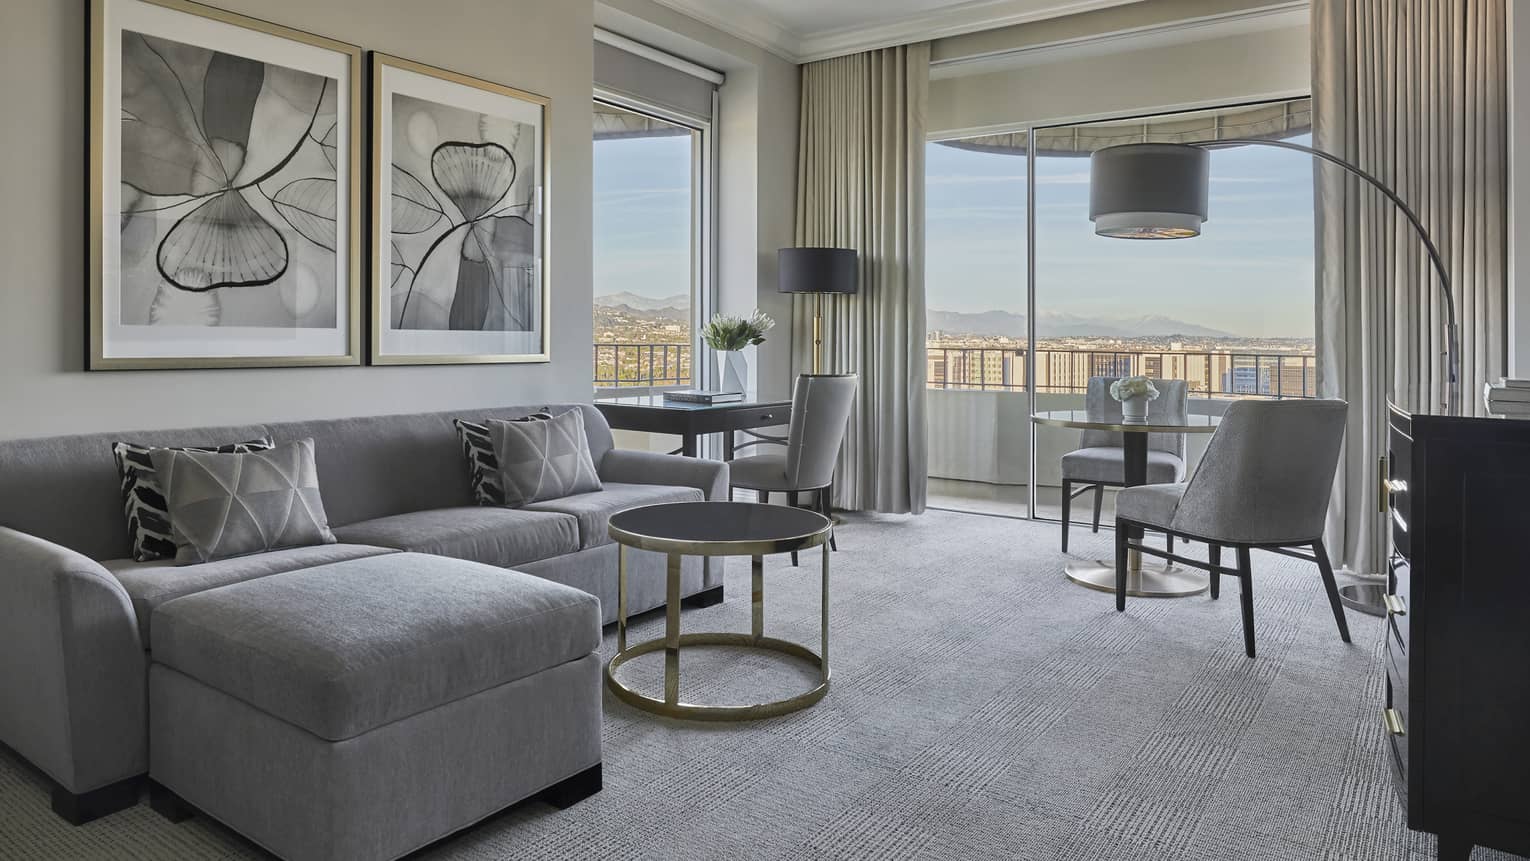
[733, 371]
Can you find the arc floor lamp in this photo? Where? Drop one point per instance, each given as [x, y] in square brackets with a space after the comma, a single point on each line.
[1161, 191]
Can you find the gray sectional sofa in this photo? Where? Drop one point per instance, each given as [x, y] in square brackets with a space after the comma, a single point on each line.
[81, 624]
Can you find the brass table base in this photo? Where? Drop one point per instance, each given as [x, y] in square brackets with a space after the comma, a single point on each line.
[670, 705]
[694, 711]
[1148, 580]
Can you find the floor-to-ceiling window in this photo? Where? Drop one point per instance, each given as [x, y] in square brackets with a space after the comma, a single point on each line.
[1230, 312]
[648, 246]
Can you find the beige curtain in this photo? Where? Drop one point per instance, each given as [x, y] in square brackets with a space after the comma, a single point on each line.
[860, 184]
[1412, 91]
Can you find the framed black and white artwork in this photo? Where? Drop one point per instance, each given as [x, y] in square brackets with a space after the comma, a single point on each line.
[459, 219]
[225, 191]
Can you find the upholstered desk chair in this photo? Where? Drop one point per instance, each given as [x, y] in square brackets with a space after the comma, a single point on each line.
[1264, 482]
[1100, 461]
[820, 410]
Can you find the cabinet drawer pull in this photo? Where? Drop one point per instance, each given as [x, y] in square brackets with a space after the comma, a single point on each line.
[765, 416]
[1394, 721]
[1397, 485]
[1395, 605]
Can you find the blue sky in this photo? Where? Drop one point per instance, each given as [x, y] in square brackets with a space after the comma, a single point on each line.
[643, 216]
[1249, 273]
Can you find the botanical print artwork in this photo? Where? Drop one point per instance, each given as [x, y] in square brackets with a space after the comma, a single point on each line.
[228, 190]
[463, 237]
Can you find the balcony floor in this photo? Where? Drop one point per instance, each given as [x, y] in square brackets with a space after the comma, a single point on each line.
[1009, 500]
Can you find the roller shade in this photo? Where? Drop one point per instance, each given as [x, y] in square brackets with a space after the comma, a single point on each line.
[1272, 120]
[651, 82]
[612, 123]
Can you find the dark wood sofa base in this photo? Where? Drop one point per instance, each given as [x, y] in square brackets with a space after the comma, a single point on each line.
[80, 808]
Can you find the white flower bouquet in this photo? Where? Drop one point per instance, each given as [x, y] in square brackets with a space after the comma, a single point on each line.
[726, 332]
[1133, 387]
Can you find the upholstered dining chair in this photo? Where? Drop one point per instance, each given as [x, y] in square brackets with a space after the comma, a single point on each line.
[820, 410]
[1264, 482]
[1100, 460]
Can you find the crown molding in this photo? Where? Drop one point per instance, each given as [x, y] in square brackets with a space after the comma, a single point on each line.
[955, 20]
[742, 21]
[747, 22]
[1294, 13]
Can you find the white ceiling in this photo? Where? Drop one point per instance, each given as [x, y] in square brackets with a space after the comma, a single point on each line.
[802, 30]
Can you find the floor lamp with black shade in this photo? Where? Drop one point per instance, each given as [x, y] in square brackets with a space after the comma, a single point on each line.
[817, 271]
[1161, 191]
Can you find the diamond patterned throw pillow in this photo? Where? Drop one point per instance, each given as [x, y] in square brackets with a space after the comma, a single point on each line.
[546, 459]
[483, 466]
[144, 502]
[224, 505]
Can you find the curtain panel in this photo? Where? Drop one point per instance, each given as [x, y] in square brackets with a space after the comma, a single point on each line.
[860, 185]
[1413, 91]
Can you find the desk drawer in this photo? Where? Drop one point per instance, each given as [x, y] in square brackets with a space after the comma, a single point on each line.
[755, 417]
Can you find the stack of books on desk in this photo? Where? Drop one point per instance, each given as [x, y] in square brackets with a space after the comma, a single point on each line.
[703, 396]
[1510, 398]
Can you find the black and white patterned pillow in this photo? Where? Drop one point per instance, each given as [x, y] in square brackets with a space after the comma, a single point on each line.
[143, 500]
[483, 466]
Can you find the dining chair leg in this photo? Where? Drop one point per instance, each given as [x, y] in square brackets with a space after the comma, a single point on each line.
[1332, 588]
[1099, 499]
[824, 508]
[1067, 509]
[1121, 563]
[1214, 556]
[791, 500]
[1246, 598]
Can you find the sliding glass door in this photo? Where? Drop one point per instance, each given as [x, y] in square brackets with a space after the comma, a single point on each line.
[1230, 312]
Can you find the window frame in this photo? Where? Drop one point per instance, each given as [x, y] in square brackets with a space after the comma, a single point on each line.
[703, 280]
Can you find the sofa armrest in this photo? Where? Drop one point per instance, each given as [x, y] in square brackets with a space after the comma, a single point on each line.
[646, 467]
[72, 666]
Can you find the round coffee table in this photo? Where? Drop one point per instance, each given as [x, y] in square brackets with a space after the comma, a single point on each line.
[681, 529]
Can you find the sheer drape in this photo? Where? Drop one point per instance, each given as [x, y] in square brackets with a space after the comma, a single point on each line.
[1412, 91]
[861, 185]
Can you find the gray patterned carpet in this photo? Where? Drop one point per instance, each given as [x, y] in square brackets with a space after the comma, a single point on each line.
[983, 707]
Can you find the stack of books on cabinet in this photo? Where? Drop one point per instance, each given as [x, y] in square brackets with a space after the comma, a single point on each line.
[1508, 398]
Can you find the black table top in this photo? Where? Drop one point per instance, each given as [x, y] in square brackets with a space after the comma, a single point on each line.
[719, 528]
[657, 402]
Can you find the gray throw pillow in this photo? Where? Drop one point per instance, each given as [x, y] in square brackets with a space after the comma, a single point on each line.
[546, 459]
[224, 505]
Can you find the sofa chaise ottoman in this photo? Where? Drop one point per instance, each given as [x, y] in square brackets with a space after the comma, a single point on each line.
[76, 617]
[365, 708]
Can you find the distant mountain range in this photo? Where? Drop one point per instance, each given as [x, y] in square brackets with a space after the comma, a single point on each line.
[996, 323]
[647, 304]
[1007, 324]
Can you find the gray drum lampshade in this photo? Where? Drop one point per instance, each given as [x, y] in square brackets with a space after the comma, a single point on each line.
[816, 270]
[1149, 190]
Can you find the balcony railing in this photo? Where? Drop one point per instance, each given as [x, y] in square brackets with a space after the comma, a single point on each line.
[1209, 374]
[619, 365]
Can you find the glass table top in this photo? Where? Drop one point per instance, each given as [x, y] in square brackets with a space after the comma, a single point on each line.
[717, 523]
[1194, 423]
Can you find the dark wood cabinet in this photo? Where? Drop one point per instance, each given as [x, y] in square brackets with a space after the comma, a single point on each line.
[1458, 628]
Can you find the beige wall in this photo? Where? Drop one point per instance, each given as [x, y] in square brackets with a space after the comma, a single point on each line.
[1242, 67]
[539, 45]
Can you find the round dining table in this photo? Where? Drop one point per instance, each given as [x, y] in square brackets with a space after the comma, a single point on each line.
[1146, 580]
